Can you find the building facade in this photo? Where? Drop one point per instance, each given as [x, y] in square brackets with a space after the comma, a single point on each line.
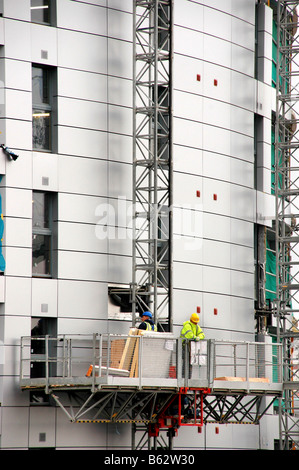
[66, 69]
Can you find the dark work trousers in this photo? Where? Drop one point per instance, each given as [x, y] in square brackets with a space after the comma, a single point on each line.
[186, 359]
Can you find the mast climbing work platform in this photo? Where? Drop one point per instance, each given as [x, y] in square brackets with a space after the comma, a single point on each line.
[287, 213]
[110, 379]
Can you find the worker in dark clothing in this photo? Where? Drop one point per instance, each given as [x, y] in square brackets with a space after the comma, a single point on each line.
[147, 322]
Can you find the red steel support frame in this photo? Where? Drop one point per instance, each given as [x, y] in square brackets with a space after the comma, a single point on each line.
[168, 420]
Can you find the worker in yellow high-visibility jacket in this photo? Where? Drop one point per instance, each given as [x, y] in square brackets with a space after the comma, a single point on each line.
[190, 331]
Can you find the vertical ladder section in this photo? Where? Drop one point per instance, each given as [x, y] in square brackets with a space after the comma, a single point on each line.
[287, 214]
[152, 161]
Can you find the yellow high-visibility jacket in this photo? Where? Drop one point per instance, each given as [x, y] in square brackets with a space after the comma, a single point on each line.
[191, 331]
[148, 325]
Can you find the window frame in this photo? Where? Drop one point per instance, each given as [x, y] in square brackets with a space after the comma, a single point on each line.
[45, 232]
[51, 4]
[40, 327]
[50, 107]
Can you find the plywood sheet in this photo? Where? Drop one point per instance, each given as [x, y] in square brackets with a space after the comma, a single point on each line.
[129, 352]
[243, 379]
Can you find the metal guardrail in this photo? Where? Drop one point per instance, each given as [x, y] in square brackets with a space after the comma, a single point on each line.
[148, 360]
[251, 361]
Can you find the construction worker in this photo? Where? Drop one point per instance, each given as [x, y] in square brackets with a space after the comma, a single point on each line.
[190, 331]
[147, 322]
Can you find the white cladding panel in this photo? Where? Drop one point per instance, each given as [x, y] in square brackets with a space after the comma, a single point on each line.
[82, 114]
[186, 302]
[82, 176]
[122, 63]
[42, 421]
[16, 420]
[120, 24]
[18, 232]
[188, 106]
[18, 176]
[82, 142]
[45, 171]
[194, 39]
[189, 15]
[82, 85]
[16, 9]
[120, 147]
[18, 134]
[187, 276]
[187, 133]
[43, 45]
[187, 160]
[17, 39]
[80, 237]
[18, 304]
[84, 46]
[120, 92]
[82, 17]
[82, 265]
[82, 300]
[17, 74]
[23, 110]
[18, 261]
[44, 297]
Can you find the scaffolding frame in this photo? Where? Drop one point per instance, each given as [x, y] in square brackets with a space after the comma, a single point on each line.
[287, 211]
[152, 161]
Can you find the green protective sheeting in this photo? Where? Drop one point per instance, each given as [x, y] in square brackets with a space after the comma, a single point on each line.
[274, 54]
[270, 275]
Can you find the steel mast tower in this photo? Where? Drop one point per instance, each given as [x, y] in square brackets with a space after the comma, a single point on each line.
[152, 165]
[287, 213]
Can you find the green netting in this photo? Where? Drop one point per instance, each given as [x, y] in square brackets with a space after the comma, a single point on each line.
[274, 54]
[270, 274]
[273, 163]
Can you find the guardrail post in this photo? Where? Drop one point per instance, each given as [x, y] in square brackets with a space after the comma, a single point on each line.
[247, 364]
[211, 362]
[100, 355]
[47, 362]
[108, 355]
[97, 357]
[21, 358]
[280, 363]
[179, 353]
[63, 356]
[140, 349]
[186, 365]
[93, 361]
[235, 359]
[69, 346]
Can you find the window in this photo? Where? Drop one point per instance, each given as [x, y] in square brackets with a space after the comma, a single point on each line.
[43, 108]
[259, 182]
[40, 327]
[43, 249]
[42, 11]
